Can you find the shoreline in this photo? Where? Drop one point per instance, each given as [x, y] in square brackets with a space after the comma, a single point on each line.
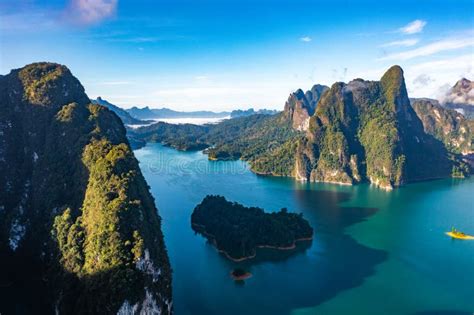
[387, 188]
[243, 277]
[227, 255]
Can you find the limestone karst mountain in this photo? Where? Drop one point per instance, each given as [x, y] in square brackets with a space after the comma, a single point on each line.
[460, 97]
[447, 125]
[361, 131]
[301, 106]
[79, 230]
[367, 130]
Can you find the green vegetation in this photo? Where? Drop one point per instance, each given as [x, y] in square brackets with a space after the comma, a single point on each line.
[367, 130]
[446, 125]
[266, 142]
[239, 231]
[48, 84]
[278, 162]
[360, 131]
[75, 206]
[69, 236]
[461, 169]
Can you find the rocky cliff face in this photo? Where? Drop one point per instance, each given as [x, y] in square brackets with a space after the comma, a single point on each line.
[79, 231]
[301, 106]
[461, 97]
[355, 132]
[446, 125]
[367, 130]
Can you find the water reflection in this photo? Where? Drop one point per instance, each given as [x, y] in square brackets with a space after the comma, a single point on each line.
[315, 271]
[282, 281]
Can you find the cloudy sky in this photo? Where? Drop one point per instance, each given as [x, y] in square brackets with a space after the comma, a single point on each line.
[221, 55]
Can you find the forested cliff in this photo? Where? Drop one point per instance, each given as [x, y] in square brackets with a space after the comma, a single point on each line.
[79, 230]
[361, 131]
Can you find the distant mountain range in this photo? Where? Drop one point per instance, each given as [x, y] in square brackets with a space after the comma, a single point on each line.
[157, 113]
[299, 107]
[126, 118]
[79, 226]
[249, 112]
[147, 115]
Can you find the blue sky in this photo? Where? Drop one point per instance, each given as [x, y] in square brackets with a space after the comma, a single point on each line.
[221, 55]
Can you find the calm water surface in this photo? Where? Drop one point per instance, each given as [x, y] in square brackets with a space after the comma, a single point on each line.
[374, 252]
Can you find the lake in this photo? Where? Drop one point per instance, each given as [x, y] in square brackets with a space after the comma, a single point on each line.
[374, 252]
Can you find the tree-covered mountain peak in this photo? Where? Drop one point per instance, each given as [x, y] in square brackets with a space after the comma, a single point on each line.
[367, 130]
[77, 221]
[360, 131]
[48, 84]
[393, 83]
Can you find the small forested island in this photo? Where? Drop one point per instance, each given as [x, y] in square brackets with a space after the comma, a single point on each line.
[237, 231]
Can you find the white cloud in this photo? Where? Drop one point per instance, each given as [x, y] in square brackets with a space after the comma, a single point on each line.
[413, 27]
[405, 43]
[433, 48]
[306, 39]
[426, 78]
[458, 63]
[422, 80]
[441, 72]
[34, 19]
[91, 11]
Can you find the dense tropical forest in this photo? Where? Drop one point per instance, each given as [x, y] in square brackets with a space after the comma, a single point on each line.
[362, 131]
[78, 225]
[267, 142]
[238, 230]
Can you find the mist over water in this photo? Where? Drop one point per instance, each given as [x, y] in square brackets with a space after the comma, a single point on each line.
[180, 121]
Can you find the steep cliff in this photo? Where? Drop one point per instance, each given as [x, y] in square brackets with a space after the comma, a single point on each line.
[362, 131]
[79, 231]
[300, 106]
[446, 125]
[367, 130]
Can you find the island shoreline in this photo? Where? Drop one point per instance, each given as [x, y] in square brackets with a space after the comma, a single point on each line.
[240, 259]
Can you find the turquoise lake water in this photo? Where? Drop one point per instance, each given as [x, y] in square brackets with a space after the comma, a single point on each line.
[374, 252]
